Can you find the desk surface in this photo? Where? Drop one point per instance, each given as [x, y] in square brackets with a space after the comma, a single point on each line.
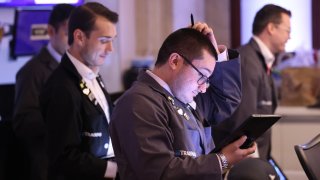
[297, 111]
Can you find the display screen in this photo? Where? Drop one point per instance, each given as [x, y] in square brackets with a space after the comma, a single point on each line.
[30, 32]
[15, 3]
[279, 171]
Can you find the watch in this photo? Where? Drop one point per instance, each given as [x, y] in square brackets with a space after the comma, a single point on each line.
[224, 162]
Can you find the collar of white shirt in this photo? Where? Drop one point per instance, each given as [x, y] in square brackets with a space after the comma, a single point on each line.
[54, 53]
[266, 53]
[160, 81]
[83, 70]
[166, 87]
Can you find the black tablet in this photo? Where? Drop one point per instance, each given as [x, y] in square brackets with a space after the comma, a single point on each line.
[253, 127]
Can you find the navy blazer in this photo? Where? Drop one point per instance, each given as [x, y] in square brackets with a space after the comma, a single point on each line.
[30, 80]
[258, 96]
[78, 133]
[28, 123]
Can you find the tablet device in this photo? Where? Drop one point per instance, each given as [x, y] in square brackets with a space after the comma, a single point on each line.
[253, 127]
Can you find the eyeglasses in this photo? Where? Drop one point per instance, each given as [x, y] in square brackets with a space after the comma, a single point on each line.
[203, 78]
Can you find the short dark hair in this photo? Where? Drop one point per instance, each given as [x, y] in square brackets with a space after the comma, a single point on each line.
[268, 13]
[188, 42]
[84, 17]
[59, 14]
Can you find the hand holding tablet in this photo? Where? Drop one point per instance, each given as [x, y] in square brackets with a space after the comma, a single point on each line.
[253, 128]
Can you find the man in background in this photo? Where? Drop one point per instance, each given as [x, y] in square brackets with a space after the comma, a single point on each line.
[75, 103]
[28, 123]
[271, 30]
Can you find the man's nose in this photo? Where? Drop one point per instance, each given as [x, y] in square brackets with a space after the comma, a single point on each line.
[203, 87]
[109, 47]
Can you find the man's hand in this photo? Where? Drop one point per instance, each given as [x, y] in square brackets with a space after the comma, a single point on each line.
[233, 152]
[206, 30]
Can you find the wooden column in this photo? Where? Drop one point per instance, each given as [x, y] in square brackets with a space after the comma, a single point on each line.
[235, 19]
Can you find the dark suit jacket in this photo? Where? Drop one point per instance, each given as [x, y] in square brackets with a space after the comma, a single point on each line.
[258, 96]
[28, 124]
[30, 80]
[78, 133]
[155, 136]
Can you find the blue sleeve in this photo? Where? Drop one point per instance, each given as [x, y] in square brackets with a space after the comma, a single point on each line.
[224, 93]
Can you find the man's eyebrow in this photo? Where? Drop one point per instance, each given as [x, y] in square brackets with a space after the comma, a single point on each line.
[105, 37]
[206, 69]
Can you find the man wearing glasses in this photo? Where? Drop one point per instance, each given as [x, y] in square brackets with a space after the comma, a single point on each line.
[271, 30]
[159, 132]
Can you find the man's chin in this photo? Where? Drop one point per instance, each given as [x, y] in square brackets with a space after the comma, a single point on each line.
[189, 100]
[101, 62]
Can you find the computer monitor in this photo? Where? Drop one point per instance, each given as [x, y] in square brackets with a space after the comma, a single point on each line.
[30, 31]
[16, 3]
[279, 171]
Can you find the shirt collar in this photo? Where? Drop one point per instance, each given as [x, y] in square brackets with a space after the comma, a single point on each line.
[265, 51]
[54, 53]
[160, 81]
[166, 87]
[83, 70]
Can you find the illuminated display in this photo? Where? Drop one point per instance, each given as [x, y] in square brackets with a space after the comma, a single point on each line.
[37, 2]
[30, 32]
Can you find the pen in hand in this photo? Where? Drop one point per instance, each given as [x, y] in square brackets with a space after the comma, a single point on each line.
[192, 21]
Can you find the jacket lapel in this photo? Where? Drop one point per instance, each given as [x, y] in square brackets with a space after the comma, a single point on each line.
[67, 64]
[271, 82]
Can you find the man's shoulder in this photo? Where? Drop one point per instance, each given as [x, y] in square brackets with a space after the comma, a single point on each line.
[61, 76]
[61, 82]
[38, 61]
[141, 91]
[248, 51]
[246, 48]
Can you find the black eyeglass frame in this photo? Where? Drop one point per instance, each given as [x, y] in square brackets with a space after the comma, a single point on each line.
[203, 79]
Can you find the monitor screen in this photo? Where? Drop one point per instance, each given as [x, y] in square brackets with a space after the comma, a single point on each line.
[279, 171]
[30, 32]
[15, 3]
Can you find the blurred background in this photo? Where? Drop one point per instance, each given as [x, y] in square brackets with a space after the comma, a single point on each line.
[143, 26]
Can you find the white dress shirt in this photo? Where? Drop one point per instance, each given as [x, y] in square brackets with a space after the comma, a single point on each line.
[266, 53]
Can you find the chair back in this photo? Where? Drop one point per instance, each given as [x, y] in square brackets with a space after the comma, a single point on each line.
[309, 157]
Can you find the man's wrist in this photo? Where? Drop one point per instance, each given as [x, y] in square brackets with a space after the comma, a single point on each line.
[223, 53]
[111, 170]
[224, 162]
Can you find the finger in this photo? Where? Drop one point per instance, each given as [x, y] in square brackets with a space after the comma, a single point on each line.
[253, 148]
[250, 150]
[207, 31]
[200, 26]
[240, 141]
[203, 28]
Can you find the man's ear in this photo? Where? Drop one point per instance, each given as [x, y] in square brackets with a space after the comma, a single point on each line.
[271, 27]
[79, 37]
[51, 30]
[174, 60]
